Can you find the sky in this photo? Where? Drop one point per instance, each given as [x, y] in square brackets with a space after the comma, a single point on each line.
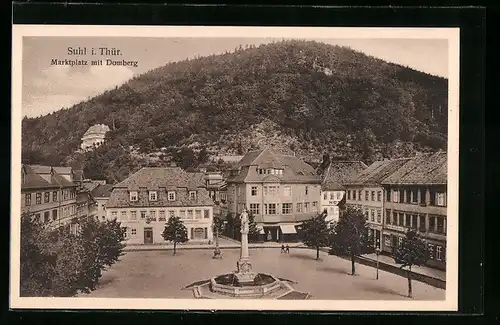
[48, 88]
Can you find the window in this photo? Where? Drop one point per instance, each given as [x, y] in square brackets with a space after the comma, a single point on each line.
[265, 190]
[360, 195]
[439, 253]
[171, 214]
[387, 240]
[379, 216]
[379, 196]
[171, 196]
[254, 191]
[373, 195]
[432, 223]
[54, 215]
[307, 190]
[270, 208]
[38, 198]
[65, 195]
[161, 216]
[408, 220]
[400, 241]
[440, 199]
[37, 217]
[254, 208]
[288, 191]
[306, 207]
[421, 226]
[182, 214]
[338, 195]
[431, 251]
[414, 221]
[46, 197]
[125, 233]
[123, 216]
[440, 225]
[414, 195]
[153, 196]
[206, 214]
[372, 215]
[286, 208]
[192, 195]
[27, 199]
[197, 214]
[46, 216]
[315, 206]
[387, 217]
[114, 214]
[54, 196]
[348, 194]
[400, 219]
[299, 207]
[354, 194]
[387, 196]
[395, 196]
[407, 198]
[366, 195]
[189, 214]
[133, 196]
[133, 231]
[143, 215]
[133, 215]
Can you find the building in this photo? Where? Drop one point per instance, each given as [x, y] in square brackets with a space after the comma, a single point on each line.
[366, 193]
[333, 190]
[48, 194]
[145, 200]
[101, 194]
[94, 136]
[416, 197]
[280, 191]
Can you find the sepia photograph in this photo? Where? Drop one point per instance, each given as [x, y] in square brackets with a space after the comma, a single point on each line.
[245, 168]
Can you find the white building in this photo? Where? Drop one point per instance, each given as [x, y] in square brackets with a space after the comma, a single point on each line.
[145, 200]
[94, 136]
[333, 191]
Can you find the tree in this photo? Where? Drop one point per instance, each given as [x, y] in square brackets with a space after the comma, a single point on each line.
[185, 157]
[412, 251]
[350, 236]
[315, 232]
[175, 231]
[59, 263]
[202, 156]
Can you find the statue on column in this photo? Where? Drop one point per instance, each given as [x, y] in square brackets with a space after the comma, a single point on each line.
[244, 222]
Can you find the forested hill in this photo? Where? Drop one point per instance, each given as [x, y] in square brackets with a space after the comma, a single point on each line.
[300, 96]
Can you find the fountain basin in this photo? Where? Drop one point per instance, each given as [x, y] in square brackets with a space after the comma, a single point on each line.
[262, 285]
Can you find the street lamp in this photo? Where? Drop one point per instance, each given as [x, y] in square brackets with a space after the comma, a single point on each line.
[217, 251]
[377, 252]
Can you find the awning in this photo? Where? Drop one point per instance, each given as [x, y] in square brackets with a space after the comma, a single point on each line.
[261, 231]
[288, 229]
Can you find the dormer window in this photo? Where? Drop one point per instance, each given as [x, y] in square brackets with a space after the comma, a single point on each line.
[153, 196]
[133, 196]
[171, 196]
[192, 195]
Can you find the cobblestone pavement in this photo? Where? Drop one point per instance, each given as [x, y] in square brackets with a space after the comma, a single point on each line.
[159, 274]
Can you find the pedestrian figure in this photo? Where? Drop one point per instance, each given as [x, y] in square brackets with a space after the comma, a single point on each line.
[283, 249]
[287, 249]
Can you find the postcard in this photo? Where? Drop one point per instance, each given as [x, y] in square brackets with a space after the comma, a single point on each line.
[234, 168]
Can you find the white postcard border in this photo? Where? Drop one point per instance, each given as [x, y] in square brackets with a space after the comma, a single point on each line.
[451, 34]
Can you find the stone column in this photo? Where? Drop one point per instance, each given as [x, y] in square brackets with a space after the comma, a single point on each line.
[244, 272]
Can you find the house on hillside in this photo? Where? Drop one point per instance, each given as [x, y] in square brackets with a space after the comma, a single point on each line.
[280, 191]
[145, 200]
[416, 198]
[333, 189]
[94, 136]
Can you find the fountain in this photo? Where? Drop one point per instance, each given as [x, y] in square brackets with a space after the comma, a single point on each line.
[244, 283]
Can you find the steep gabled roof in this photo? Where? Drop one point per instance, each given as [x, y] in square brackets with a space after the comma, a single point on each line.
[294, 169]
[102, 190]
[34, 180]
[378, 171]
[159, 177]
[425, 169]
[339, 173]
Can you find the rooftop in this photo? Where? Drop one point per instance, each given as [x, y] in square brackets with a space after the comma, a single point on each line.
[378, 171]
[38, 176]
[97, 129]
[339, 173]
[424, 169]
[102, 190]
[160, 177]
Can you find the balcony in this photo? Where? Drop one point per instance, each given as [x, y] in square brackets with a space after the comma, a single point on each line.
[416, 208]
